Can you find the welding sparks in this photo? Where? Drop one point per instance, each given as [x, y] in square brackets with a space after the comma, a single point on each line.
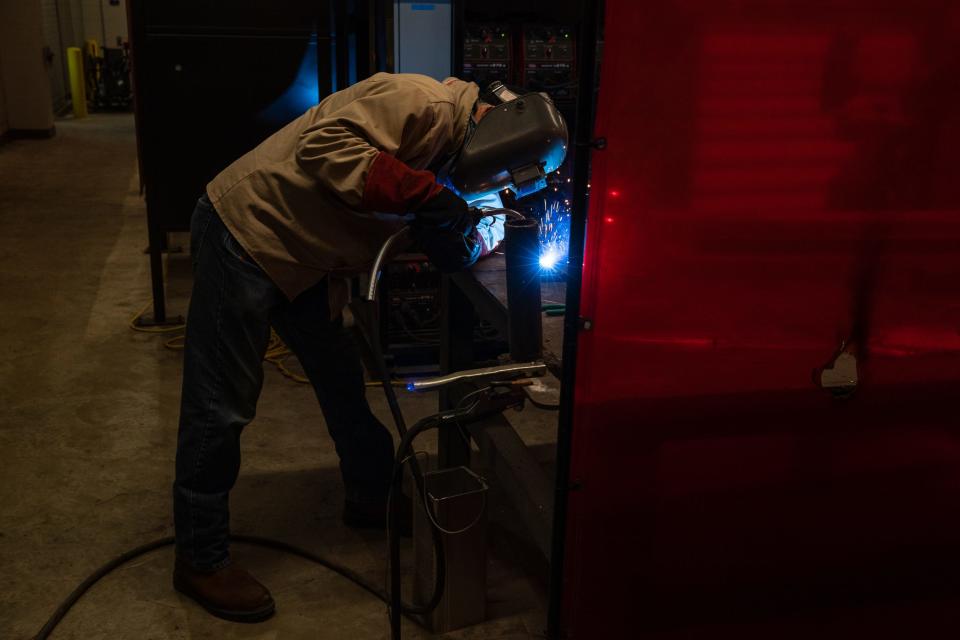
[549, 259]
[554, 235]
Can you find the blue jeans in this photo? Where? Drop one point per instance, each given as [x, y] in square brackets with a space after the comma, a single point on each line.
[232, 308]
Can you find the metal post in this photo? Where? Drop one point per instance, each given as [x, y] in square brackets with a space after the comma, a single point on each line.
[456, 354]
[591, 13]
[380, 9]
[342, 29]
[456, 51]
[362, 25]
[103, 24]
[522, 249]
[156, 238]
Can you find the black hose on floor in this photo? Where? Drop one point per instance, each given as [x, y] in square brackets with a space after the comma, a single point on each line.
[393, 601]
[92, 579]
[127, 556]
[365, 313]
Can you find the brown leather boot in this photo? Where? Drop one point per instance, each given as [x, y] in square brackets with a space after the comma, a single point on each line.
[229, 593]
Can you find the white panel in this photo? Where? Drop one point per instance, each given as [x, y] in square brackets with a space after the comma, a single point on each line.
[424, 31]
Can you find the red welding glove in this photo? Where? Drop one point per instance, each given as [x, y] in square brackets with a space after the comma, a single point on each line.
[393, 187]
[442, 226]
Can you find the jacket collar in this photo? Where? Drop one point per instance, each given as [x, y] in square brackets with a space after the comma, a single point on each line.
[464, 96]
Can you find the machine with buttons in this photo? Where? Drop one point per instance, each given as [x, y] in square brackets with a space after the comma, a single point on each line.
[488, 53]
[549, 62]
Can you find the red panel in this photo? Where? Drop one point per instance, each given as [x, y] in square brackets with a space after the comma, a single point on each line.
[780, 176]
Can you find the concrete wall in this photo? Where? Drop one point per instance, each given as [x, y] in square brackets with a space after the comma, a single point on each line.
[70, 23]
[103, 21]
[26, 84]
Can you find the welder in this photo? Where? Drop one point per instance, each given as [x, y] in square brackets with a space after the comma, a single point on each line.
[273, 242]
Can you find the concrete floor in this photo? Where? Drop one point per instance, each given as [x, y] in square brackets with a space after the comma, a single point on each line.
[88, 414]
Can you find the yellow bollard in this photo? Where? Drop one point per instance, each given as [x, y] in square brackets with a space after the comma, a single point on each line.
[78, 83]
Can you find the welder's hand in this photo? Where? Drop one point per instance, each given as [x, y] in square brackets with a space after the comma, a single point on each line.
[489, 231]
[445, 210]
[443, 228]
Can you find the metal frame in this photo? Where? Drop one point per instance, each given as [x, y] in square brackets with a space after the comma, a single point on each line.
[591, 12]
[514, 465]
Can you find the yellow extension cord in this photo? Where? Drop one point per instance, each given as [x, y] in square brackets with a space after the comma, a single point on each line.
[277, 351]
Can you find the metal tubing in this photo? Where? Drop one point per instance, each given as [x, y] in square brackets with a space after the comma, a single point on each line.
[103, 24]
[381, 258]
[486, 373]
[522, 249]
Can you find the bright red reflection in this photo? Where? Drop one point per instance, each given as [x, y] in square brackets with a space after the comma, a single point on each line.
[794, 182]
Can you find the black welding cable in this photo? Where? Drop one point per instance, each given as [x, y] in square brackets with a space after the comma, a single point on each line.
[268, 543]
[363, 312]
[439, 558]
[92, 579]
[431, 422]
[405, 608]
[395, 606]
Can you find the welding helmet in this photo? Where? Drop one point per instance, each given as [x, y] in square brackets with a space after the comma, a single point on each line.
[515, 145]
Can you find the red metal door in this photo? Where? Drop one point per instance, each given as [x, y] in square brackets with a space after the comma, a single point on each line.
[781, 187]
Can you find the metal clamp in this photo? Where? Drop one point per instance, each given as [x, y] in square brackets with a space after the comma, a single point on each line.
[486, 373]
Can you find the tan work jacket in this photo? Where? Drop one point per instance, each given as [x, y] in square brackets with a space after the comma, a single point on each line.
[294, 202]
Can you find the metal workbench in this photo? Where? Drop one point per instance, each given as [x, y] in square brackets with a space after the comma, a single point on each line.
[483, 290]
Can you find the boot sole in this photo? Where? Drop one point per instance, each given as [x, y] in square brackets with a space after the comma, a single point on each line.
[258, 615]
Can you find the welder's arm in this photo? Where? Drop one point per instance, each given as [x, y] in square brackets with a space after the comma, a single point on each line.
[447, 230]
[490, 232]
[443, 228]
[354, 152]
[442, 225]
